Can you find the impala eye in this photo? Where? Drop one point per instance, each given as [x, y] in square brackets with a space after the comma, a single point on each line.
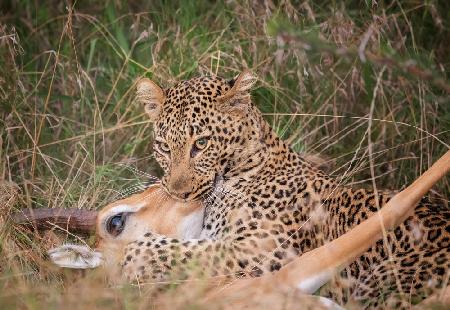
[116, 224]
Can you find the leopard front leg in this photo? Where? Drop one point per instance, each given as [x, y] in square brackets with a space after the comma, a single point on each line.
[155, 258]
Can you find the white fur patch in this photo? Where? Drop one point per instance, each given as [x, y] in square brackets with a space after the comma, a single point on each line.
[122, 208]
[312, 284]
[192, 225]
[75, 256]
[328, 303]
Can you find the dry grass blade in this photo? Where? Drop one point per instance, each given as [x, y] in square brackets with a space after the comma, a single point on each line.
[68, 116]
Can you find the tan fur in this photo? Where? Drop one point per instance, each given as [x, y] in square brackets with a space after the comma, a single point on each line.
[151, 96]
[161, 213]
[271, 194]
[155, 211]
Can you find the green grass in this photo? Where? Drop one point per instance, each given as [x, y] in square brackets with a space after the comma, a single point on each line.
[69, 125]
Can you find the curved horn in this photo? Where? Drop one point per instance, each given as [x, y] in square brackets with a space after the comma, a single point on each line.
[74, 220]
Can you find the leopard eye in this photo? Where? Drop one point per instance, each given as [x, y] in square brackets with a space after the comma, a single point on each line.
[201, 143]
[163, 147]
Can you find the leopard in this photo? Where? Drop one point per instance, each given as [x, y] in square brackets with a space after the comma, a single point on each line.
[265, 204]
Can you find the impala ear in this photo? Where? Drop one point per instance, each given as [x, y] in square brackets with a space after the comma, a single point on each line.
[237, 99]
[75, 257]
[151, 96]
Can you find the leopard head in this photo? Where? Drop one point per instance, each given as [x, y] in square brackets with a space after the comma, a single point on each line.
[203, 127]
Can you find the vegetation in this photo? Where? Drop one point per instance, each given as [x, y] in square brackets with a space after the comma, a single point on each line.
[362, 84]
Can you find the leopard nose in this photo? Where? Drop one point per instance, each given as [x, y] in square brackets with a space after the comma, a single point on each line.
[180, 194]
[184, 195]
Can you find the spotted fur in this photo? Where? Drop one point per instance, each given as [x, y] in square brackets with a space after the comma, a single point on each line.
[266, 204]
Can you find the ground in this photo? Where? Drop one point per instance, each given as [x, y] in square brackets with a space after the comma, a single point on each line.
[363, 85]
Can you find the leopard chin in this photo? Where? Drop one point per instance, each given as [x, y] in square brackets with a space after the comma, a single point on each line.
[214, 191]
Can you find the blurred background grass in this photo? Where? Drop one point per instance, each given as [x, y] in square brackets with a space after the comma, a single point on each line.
[72, 135]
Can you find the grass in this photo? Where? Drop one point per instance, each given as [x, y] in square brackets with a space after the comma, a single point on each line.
[70, 129]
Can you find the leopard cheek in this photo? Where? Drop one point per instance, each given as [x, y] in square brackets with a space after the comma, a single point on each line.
[162, 160]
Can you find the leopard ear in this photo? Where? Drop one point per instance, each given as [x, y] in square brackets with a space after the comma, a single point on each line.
[151, 96]
[237, 99]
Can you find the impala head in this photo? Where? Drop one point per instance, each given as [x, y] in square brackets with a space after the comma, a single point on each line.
[202, 127]
[154, 211]
[120, 223]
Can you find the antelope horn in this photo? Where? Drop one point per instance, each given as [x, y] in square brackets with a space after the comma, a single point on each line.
[74, 220]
